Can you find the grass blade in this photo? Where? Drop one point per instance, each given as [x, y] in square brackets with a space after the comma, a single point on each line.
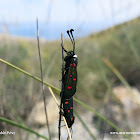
[22, 127]
[43, 91]
[117, 73]
[56, 90]
[85, 126]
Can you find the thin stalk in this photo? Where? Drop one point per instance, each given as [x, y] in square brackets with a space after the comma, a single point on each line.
[60, 107]
[121, 78]
[43, 91]
[85, 126]
[63, 116]
[22, 127]
[132, 46]
[60, 112]
[107, 96]
[117, 73]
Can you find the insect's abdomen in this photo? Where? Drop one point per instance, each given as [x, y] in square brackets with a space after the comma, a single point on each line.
[68, 111]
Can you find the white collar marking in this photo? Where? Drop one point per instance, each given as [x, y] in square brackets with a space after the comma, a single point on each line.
[75, 56]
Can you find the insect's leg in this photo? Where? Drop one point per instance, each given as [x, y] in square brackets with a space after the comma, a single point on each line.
[64, 49]
[62, 126]
[61, 112]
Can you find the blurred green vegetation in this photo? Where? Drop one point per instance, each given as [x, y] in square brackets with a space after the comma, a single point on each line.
[119, 44]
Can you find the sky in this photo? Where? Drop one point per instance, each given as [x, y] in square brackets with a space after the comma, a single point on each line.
[86, 16]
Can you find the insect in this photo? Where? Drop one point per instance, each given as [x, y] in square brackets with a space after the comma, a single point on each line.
[69, 81]
[68, 111]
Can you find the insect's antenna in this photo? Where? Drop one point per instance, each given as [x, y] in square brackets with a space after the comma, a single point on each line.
[43, 91]
[73, 39]
[69, 36]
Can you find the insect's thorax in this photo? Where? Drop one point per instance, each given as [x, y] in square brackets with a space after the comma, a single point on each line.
[70, 58]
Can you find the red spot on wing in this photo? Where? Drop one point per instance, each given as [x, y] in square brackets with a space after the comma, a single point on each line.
[68, 111]
[71, 108]
[70, 75]
[74, 65]
[74, 79]
[71, 64]
[66, 102]
[69, 87]
[71, 118]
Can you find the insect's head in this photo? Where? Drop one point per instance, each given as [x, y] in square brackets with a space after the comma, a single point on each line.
[70, 54]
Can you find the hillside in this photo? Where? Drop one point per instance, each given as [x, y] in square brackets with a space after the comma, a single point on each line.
[119, 45]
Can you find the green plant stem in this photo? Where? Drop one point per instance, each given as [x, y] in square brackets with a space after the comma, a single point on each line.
[100, 116]
[132, 46]
[117, 73]
[22, 127]
[56, 90]
[85, 126]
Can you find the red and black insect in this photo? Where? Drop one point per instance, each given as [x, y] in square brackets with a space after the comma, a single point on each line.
[69, 81]
[68, 111]
[70, 76]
